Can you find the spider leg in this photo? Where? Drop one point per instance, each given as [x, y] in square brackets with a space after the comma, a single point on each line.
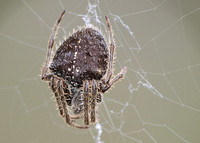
[53, 86]
[63, 89]
[112, 47]
[93, 101]
[67, 117]
[46, 76]
[98, 98]
[106, 81]
[105, 87]
[65, 110]
[85, 96]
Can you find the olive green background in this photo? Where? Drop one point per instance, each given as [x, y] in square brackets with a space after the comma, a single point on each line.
[157, 102]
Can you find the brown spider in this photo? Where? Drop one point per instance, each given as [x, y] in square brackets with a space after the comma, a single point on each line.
[80, 72]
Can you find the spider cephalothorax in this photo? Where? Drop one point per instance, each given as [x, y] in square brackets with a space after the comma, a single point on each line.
[80, 72]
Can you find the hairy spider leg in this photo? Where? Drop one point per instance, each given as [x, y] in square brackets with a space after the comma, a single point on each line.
[53, 86]
[57, 89]
[93, 101]
[107, 80]
[111, 54]
[85, 96]
[46, 76]
[61, 89]
[114, 80]
[65, 110]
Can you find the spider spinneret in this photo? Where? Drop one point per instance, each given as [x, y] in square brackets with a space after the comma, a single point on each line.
[80, 72]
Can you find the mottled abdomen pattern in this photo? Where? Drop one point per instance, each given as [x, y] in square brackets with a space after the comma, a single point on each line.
[83, 56]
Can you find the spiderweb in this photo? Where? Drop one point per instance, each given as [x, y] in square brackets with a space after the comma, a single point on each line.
[158, 101]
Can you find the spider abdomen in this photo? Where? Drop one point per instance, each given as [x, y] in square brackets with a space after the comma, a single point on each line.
[83, 56]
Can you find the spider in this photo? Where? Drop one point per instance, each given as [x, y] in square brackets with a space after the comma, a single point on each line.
[80, 72]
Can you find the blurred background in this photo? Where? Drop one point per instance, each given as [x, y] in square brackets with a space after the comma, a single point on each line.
[158, 101]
